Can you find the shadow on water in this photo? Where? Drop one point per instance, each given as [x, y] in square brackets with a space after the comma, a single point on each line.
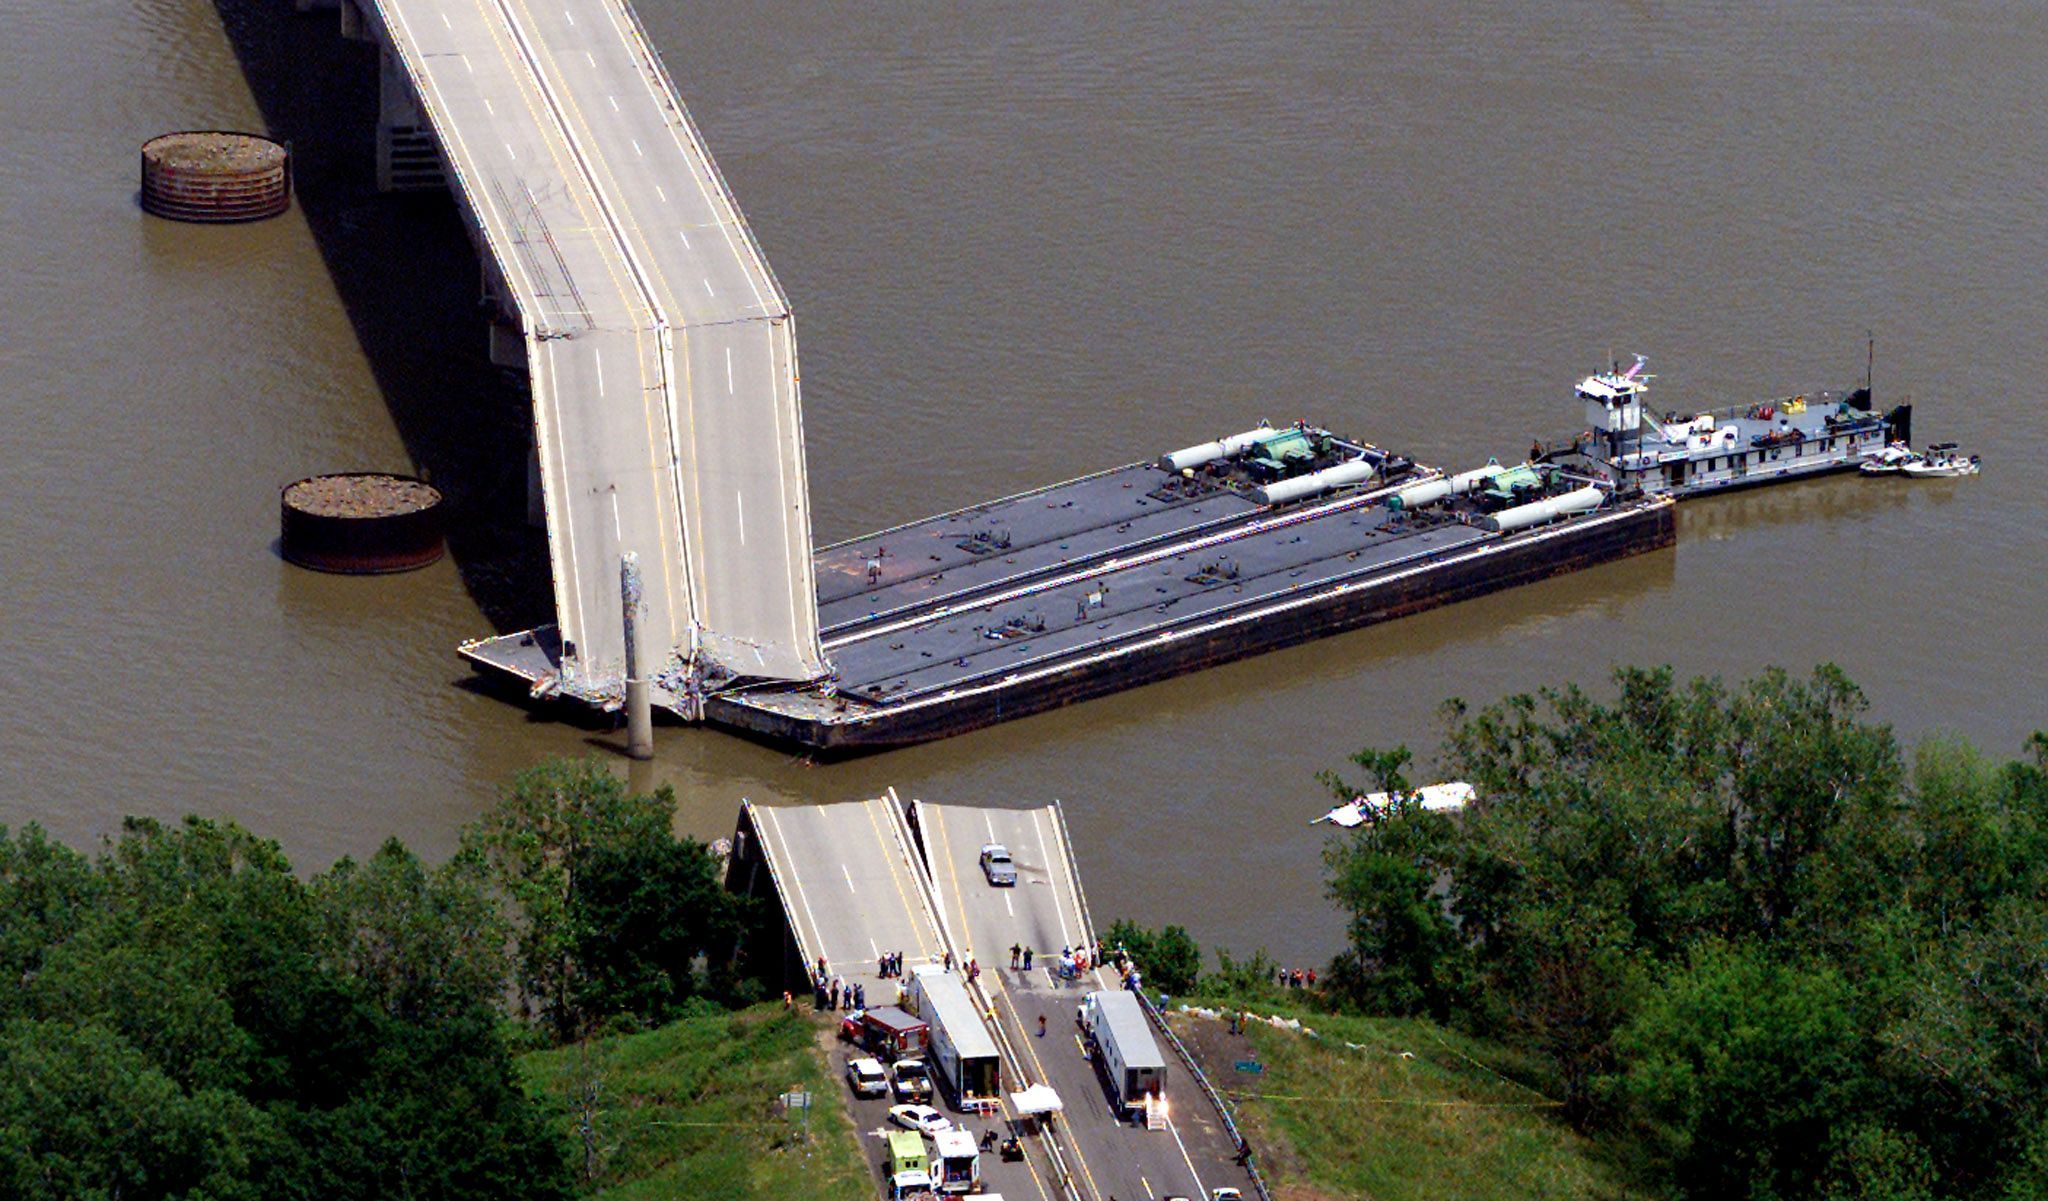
[409, 280]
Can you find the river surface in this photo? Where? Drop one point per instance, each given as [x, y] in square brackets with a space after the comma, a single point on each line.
[1027, 242]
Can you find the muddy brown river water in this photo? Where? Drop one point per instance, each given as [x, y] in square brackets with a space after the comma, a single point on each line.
[1025, 243]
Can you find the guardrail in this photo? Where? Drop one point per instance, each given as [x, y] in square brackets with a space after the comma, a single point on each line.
[1059, 822]
[1244, 1149]
[807, 953]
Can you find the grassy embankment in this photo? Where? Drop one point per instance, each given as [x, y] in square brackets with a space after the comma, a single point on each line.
[1408, 1110]
[688, 1110]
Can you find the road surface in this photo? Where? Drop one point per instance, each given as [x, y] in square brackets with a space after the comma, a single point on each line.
[1044, 911]
[662, 353]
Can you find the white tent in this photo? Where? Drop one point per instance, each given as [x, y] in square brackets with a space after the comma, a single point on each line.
[1036, 1100]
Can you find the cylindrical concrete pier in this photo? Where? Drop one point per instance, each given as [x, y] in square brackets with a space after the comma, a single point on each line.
[360, 523]
[215, 176]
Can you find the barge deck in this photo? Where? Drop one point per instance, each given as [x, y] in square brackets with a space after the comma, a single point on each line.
[1138, 574]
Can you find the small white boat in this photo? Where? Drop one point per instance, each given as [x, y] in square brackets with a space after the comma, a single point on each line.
[1942, 461]
[1434, 798]
[1889, 461]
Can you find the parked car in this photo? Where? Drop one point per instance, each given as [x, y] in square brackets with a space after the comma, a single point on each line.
[866, 1077]
[921, 1118]
[913, 1080]
[996, 865]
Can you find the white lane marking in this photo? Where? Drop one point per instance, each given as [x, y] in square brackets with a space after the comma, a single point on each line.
[707, 287]
[1187, 1159]
[488, 108]
[510, 151]
[685, 234]
[615, 102]
[660, 193]
[571, 16]
[446, 21]
[740, 499]
[876, 948]
[636, 147]
[618, 526]
[803, 898]
[754, 272]
[592, 57]
[598, 356]
[467, 65]
[849, 879]
[1006, 904]
[728, 371]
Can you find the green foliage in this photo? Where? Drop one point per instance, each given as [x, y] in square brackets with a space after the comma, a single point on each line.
[1735, 924]
[643, 915]
[423, 943]
[612, 910]
[686, 1110]
[86, 1115]
[1168, 960]
[1745, 1067]
[189, 1023]
[1403, 952]
[1396, 1109]
[548, 818]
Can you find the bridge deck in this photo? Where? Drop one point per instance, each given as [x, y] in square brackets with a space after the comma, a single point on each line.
[661, 351]
[1047, 911]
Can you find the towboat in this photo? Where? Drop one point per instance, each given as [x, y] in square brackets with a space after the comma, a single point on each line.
[1690, 454]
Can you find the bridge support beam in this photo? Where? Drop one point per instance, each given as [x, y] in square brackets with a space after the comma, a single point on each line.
[408, 160]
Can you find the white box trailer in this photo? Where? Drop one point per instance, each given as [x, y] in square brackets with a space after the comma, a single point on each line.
[961, 1047]
[1115, 1025]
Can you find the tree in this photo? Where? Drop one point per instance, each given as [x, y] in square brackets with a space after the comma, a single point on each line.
[194, 1028]
[1745, 1069]
[643, 915]
[424, 943]
[545, 824]
[1167, 959]
[86, 1115]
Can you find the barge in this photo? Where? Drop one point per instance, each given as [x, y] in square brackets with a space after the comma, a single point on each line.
[1269, 538]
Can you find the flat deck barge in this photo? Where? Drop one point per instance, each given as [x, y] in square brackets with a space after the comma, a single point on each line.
[1146, 571]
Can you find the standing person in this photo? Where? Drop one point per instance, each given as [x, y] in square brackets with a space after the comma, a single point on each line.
[1041, 1025]
[1015, 953]
[1027, 959]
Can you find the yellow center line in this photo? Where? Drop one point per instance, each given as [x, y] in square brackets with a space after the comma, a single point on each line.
[630, 227]
[630, 295]
[945, 846]
[895, 877]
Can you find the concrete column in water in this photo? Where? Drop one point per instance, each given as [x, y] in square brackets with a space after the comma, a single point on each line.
[639, 709]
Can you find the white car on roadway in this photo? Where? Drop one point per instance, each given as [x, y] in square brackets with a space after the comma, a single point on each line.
[996, 865]
[921, 1118]
[866, 1077]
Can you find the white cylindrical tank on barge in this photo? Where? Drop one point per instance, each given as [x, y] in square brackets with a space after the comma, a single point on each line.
[1209, 452]
[1578, 500]
[1357, 471]
[1431, 491]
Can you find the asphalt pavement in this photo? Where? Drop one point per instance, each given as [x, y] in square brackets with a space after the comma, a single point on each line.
[849, 878]
[1045, 911]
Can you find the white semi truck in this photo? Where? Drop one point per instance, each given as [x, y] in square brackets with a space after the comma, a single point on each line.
[1113, 1022]
[961, 1047]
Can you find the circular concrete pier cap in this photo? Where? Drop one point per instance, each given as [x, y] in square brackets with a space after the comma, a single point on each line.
[361, 523]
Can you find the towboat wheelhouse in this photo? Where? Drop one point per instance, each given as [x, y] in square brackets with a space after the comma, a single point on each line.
[1688, 454]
